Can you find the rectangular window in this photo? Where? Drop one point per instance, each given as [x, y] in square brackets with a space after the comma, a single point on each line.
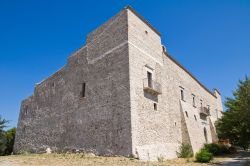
[83, 89]
[155, 106]
[149, 75]
[193, 100]
[182, 94]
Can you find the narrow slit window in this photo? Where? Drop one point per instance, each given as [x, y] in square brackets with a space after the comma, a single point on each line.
[83, 89]
[186, 114]
[182, 94]
[155, 106]
[195, 118]
[193, 100]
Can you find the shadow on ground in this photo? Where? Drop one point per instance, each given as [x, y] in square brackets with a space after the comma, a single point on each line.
[242, 159]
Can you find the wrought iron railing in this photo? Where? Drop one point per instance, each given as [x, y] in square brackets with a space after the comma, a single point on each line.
[152, 86]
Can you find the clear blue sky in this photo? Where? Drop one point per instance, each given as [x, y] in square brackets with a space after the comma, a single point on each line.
[210, 38]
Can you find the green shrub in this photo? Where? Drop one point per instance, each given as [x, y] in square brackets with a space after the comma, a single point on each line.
[213, 148]
[203, 156]
[224, 149]
[217, 149]
[185, 151]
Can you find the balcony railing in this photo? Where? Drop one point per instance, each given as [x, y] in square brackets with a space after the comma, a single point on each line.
[152, 86]
[205, 111]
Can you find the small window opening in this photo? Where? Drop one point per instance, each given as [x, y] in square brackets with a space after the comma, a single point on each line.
[193, 100]
[186, 113]
[182, 94]
[201, 103]
[155, 106]
[205, 134]
[149, 75]
[83, 89]
[195, 118]
[175, 123]
[146, 32]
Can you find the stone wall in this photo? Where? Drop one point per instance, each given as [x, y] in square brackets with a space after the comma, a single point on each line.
[159, 133]
[57, 116]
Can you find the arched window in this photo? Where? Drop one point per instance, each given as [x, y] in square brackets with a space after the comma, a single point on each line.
[205, 134]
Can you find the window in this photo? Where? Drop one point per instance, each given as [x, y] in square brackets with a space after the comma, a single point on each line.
[83, 89]
[201, 102]
[155, 106]
[186, 113]
[149, 75]
[193, 100]
[205, 134]
[195, 118]
[182, 94]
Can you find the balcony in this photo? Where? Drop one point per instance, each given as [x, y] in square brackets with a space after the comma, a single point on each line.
[151, 87]
[204, 111]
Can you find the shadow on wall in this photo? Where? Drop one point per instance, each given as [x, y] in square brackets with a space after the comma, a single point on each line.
[151, 97]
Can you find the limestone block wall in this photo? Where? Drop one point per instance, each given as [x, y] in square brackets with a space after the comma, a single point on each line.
[159, 133]
[152, 132]
[57, 116]
[195, 127]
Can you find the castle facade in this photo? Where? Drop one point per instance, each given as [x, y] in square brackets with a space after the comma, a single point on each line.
[120, 94]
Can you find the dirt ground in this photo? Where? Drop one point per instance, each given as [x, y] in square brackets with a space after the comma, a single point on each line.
[87, 160]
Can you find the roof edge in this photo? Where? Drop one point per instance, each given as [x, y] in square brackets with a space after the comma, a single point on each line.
[215, 89]
[143, 19]
[191, 75]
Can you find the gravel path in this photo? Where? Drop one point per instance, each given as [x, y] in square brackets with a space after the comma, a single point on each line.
[7, 163]
[243, 159]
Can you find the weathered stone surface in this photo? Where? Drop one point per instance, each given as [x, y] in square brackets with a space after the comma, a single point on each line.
[116, 116]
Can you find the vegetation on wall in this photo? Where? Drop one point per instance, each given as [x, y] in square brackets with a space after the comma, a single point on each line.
[6, 138]
[235, 123]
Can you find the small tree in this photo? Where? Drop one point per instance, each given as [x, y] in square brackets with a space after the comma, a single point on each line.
[10, 138]
[2, 136]
[185, 151]
[235, 123]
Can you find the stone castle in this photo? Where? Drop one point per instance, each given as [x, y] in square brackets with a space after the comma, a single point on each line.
[120, 94]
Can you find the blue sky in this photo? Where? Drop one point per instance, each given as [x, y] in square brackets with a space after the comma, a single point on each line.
[210, 38]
